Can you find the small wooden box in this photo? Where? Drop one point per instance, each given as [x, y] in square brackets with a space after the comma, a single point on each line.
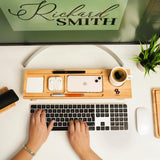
[109, 91]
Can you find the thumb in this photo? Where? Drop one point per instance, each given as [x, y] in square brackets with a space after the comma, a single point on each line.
[50, 126]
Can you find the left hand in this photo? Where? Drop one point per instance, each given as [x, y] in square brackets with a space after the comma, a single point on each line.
[38, 131]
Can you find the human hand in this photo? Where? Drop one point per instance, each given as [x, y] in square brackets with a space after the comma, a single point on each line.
[78, 135]
[38, 131]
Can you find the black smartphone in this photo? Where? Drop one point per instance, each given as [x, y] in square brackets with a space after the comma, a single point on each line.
[8, 98]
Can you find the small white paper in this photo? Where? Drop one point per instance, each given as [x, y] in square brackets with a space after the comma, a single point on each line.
[34, 85]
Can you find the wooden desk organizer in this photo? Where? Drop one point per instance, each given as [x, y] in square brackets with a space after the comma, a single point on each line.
[109, 91]
[3, 90]
[156, 110]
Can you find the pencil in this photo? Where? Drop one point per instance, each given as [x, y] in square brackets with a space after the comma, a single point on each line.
[67, 95]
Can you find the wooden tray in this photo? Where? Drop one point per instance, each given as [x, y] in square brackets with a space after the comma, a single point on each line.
[3, 90]
[156, 110]
[109, 91]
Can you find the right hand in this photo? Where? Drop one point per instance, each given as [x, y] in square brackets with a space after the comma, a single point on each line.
[78, 135]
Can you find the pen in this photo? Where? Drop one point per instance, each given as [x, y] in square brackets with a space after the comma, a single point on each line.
[68, 72]
[66, 95]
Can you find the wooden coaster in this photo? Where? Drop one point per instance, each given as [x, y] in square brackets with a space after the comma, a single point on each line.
[156, 110]
[3, 90]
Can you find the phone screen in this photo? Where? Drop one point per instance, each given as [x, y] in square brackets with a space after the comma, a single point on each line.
[8, 98]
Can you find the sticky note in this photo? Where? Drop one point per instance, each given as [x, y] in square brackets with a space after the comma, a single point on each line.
[34, 85]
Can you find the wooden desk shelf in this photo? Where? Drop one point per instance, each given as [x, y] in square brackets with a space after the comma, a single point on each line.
[108, 92]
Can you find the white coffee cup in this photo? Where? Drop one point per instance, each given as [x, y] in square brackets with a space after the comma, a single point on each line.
[118, 76]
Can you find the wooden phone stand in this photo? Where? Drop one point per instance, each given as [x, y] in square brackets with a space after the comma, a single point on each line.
[108, 91]
[3, 90]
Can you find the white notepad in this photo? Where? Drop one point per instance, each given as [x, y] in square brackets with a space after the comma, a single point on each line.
[34, 85]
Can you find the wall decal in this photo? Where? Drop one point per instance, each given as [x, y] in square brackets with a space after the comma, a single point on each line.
[43, 15]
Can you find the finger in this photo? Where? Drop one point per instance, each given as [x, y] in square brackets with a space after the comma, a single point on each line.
[82, 126]
[50, 126]
[37, 115]
[43, 117]
[68, 128]
[77, 126]
[35, 112]
[71, 127]
[86, 128]
[32, 119]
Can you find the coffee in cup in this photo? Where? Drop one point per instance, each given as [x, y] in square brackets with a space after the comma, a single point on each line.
[118, 76]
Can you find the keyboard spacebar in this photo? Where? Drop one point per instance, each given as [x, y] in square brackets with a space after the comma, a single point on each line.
[60, 129]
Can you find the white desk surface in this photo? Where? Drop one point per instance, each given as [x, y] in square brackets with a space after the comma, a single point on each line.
[110, 146]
